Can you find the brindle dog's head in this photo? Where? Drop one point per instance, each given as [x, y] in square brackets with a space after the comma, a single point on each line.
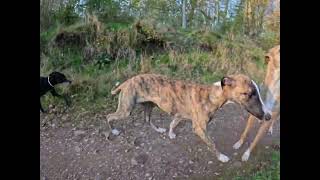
[58, 78]
[243, 90]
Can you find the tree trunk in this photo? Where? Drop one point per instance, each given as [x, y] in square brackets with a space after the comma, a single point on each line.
[184, 19]
[226, 8]
[191, 15]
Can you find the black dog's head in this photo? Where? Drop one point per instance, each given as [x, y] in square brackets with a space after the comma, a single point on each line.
[57, 78]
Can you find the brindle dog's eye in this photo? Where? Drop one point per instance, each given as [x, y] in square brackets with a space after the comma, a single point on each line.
[246, 94]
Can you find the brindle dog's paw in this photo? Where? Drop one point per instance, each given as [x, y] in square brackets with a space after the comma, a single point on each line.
[161, 130]
[223, 158]
[115, 132]
[172, 135]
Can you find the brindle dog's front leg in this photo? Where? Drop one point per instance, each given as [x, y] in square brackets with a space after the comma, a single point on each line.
[244, 135]
[200, 128]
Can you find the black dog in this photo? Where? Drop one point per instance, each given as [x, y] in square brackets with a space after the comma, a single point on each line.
[48, 83]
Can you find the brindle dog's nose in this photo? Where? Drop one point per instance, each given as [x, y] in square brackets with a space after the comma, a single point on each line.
[267, 116]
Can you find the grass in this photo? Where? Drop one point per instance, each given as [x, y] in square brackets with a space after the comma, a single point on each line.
[121, 53]
[92, 83]
[264, 164]
[270, 172]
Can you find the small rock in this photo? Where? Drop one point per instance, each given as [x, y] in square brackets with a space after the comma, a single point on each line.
[96, 151]
[217, 174]
[210, 162]
[137, 124]
[98, 177]
[235, 153]
[138, 141]
[147, 174]
[267, 147]
[142, 158]
[237, 164]
[79, 132]
[77, 149]
[181, 161]
[190, 162]
[134, 162]
[150, 178]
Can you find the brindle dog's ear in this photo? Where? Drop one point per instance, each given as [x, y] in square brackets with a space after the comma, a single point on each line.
[227, 81]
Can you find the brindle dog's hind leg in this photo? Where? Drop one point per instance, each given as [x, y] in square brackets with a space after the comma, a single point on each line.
[176, 120]
[148, 106]
[125, 105]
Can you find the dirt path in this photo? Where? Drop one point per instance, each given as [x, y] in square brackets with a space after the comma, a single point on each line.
[68, 152]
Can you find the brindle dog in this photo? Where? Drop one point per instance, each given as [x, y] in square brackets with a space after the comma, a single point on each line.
[185, 100]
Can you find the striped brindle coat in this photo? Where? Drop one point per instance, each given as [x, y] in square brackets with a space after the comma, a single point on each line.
[185, 100]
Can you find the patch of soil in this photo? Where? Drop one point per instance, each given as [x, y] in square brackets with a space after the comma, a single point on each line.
[139, 152]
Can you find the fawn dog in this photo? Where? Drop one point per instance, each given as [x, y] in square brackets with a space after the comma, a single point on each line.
[271, 88]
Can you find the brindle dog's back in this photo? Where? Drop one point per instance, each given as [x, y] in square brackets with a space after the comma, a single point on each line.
[170, 95]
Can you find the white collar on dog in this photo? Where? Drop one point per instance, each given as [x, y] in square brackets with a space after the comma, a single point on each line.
[49, 82]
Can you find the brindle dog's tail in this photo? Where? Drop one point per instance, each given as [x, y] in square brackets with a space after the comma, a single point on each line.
[118, 89]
